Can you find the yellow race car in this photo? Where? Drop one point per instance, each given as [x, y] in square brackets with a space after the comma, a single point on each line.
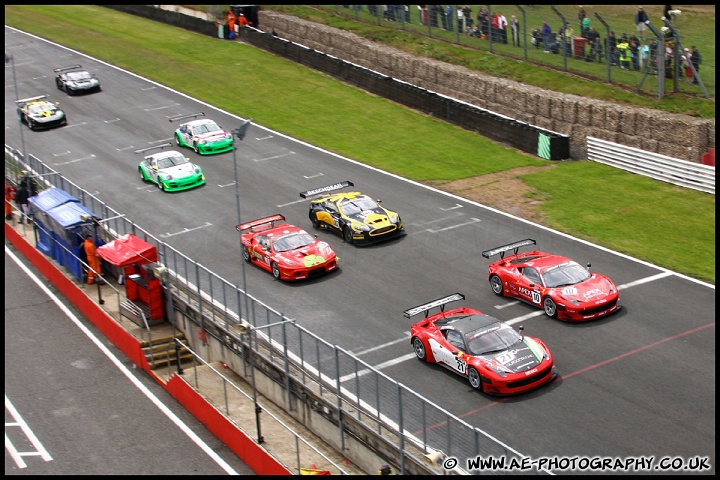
[357, 218]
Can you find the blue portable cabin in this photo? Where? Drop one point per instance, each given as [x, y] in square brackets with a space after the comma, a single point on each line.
[68, 230]
[38, 206]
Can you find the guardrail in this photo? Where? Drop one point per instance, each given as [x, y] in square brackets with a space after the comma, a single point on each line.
[667, 169]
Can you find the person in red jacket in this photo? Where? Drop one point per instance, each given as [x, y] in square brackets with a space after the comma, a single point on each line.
[92, 259]
[242, 21]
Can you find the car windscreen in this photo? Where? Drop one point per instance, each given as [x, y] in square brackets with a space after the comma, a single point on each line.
[171, 161]
[292, 241]
[79, 76]
[568, 273]
[357, 205]
[47, 107]
[492, 338]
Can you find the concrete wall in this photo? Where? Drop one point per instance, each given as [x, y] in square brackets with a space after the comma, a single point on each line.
[677, 136]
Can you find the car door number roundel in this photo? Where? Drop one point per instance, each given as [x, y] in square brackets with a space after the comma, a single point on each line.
[536, 296]
[445, 356]
[533, 294]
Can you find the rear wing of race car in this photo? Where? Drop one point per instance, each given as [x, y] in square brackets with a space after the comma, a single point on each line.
[515, 246]
[328, 188]
[68, 68]
[189, 115]
[30, 99]
[260, 221]
[147, 149]
[440, 302]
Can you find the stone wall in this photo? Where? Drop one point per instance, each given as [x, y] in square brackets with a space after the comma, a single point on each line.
[677, 136]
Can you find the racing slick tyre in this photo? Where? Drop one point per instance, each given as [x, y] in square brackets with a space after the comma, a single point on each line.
[195, 147]
[275, 270]
[496, 285]
[314, 221]
[177, 140]
[419, 348]
[475, 379]
[550, 307]
[58, 84]
[348, 234]
[160, 185]
[142, 175]
[246, 254]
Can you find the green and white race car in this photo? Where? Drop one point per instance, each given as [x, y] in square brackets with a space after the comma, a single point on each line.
[202, 135]
[170, 170]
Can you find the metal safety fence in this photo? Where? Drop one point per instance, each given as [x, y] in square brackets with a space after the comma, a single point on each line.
[351, 394]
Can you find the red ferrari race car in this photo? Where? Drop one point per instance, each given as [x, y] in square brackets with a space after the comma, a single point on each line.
[562, 287]
[289, 252]
[493, 356]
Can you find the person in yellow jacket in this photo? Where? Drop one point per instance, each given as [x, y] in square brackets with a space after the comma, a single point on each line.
[623, 48]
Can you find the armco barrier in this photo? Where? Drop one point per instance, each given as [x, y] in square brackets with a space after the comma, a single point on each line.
[243, 446]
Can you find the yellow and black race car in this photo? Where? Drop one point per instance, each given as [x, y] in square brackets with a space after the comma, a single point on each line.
[38, 113]
[357, 218]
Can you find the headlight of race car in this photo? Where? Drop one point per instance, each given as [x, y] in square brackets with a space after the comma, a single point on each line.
[203, 142]
[228, 136]
[197, 170]
[496, 369]
[394, 218]
[571, 300]
[288, 262]
[165, 177]
[361, 227]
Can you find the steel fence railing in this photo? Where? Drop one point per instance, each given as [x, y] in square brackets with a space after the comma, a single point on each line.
[400, 417]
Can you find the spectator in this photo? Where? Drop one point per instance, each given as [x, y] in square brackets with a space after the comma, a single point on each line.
[644, 52]
[696, 60]
[515, 29]
[623, 48]
[495, 25]
[612, 48]
[444, 17]
[460, 19]
[666, 11]
[242, 21]
[502, 27]
[585, 28]
[567, 35]
[594, 45]
[687, 65]
[546, 33]
[640, 19]
[230, 25]
[635, 52]
[484, 22]
[21, 199]
[448, 18]
[581, 17]
[467, 17]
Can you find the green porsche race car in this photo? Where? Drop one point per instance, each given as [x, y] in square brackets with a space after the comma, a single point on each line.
[202, 135]
[170, 170]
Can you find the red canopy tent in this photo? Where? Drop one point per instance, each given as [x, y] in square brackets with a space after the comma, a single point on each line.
[128, 250]
[138, 258]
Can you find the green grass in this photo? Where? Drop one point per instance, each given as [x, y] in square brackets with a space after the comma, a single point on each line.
[656, 222]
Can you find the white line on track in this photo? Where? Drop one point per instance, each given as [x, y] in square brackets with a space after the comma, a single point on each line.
[123, 369]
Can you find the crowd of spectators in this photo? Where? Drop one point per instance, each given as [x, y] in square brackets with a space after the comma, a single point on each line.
[636, 51]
